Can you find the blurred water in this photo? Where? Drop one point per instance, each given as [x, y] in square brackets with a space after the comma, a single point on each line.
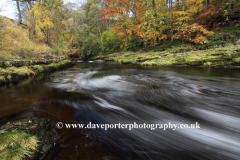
[99, 92]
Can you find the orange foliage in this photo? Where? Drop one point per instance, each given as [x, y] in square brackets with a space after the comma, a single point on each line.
[199, 39]
[75, 47]
[194, 33]
[208, 18]
[72, 40]
[74, 50]
[53, 36]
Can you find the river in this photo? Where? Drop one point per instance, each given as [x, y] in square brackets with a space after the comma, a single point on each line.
[109, 93]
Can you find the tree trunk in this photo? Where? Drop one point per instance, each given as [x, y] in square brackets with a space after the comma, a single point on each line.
[33, 22]
[19, 13]
[125, 33]
[183, 38]
[100, 35]
[171, 23]
[183, 5]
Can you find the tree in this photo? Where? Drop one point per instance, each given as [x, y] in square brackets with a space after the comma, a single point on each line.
[47, 15]
[19, 13]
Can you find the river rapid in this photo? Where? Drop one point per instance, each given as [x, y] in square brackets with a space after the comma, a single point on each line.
[108, 93]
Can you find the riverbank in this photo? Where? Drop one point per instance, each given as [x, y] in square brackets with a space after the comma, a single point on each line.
[16, 74]
[228, 56]
[28, 137]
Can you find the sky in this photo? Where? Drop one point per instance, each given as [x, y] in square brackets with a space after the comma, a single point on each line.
[8, 7]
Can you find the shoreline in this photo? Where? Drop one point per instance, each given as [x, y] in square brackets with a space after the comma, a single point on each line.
[180, 65]
[226, 57]
[173, 65]
[16, 74]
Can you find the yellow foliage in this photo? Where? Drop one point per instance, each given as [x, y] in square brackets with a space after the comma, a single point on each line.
[47, 19]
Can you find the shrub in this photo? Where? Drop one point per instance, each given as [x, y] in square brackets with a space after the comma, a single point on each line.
[135, 44]
[225, 35]
[110, 42]
[170, 44]
[88, 44]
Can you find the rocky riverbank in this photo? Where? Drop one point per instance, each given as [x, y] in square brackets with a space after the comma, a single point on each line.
[16, 74]
[225, 57]
[19, 63]
[31, 126]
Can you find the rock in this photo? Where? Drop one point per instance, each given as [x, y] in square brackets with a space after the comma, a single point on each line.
[46, 148]
[238, 41]
[206, 42]
[8, 64]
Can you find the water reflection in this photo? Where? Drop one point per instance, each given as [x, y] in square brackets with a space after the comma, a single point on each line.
[99, 92]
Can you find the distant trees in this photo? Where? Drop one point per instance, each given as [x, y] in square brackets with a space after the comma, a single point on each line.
[107, 25]
[48, 16]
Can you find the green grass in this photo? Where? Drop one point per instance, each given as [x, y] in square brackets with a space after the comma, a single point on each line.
[17, 145]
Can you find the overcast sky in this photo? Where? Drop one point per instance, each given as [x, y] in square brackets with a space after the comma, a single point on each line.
[8, 7]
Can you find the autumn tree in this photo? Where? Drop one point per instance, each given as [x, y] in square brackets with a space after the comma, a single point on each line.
[48, 16]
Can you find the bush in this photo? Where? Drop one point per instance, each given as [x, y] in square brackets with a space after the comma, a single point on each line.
[135, 44]
[88, 43]
[110, 42]
[170, 44]
[225, 35]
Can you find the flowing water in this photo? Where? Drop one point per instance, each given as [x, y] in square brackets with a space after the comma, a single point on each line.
[107, 93]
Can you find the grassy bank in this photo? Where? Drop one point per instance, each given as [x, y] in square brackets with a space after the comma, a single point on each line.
[25, 138]
[15, 74]
[15, 43]
[17, 145]
[224, 56]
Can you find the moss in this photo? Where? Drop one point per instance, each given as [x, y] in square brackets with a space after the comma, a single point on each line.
[22, 71]
[236, 60]
[37, 68]
[207, 64]
[221, 56]
[17, 73]
[3, 71]
[2, 79]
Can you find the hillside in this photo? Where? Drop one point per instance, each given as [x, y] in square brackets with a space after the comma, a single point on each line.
[15, 43]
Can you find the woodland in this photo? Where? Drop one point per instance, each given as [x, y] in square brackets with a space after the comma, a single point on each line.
[102, 27]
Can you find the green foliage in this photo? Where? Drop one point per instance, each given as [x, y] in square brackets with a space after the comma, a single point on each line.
[170, 44]
[110, 42]
[89, 46]
[135, 44]
[17, 145]
[224, 35]
[56, 49]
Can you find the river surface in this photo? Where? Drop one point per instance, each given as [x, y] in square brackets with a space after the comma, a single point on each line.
[106, 93]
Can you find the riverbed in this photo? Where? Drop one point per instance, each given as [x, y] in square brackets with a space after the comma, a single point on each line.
[99, 92]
